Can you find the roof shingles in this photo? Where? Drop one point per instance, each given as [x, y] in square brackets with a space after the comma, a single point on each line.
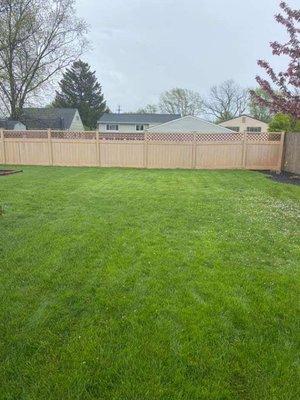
[44, 118]
[111, 118]
[9, 124]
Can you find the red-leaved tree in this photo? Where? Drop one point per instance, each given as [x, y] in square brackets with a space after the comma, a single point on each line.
[286, 97]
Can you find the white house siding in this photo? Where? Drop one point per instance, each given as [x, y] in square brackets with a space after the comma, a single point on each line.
[123, 128]
[243, 122]
[76, 124]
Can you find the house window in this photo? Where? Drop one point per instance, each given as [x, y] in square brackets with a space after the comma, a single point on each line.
[251, 129]
[233, 128]
[243, 120]
[112, 127]
[139, 127]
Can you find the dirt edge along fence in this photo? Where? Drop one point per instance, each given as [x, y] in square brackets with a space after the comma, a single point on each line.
[261, 151]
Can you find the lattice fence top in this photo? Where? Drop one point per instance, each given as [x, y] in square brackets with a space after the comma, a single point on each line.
[169, 137]
[194, 137]
[218, 137]
[264, 137]
[25, 134]
[149, 137]
[121, 136]
[85, 135]
[212, 137]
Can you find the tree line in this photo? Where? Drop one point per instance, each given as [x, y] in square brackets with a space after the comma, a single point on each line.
[223, 102]
[40, 39]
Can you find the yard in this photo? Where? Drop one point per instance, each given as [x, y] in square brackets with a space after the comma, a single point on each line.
[131, 284]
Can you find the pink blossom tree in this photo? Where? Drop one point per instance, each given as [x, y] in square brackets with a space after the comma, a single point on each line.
[286, 97]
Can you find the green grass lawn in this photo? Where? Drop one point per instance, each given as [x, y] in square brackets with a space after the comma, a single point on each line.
[131, 284]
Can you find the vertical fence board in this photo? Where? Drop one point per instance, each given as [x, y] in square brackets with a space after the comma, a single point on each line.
[98, 149]
[291, 162]
[244, 151]
[2, 147]
[50, 148]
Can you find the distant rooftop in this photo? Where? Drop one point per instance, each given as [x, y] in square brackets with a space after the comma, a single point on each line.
[239, 116]
[189, 124]
[111, 118]
[9, 124]
[44, 118]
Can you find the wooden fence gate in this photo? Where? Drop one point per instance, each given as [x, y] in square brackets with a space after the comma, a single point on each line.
[143, 150]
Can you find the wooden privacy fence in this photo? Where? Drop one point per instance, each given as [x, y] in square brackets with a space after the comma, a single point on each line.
[292, 153]
[143, 150]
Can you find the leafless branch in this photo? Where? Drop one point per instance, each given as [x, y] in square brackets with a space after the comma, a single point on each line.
[38, 38]
[226, 101]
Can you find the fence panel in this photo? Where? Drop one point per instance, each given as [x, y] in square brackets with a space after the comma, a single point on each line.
[34, 152]
[262, 156]
[222, 156]
[149, 150]
[81, 153]
[122, 153]
[169, 155]
[12, 152]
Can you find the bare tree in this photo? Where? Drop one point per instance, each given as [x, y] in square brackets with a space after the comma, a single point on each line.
[226, 101]
[181, 101]
[148, 109]
[38, 38]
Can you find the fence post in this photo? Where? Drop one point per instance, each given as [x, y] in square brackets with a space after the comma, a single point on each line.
[145, 150]
[244, 151]
[98, 149]
[3, 145]
[281, 153]
[194, 151]
[50, 146]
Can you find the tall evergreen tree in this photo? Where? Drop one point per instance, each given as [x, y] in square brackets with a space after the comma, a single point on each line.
[80, 89]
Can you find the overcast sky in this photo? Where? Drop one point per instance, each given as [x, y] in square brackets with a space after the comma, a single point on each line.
[143, 47]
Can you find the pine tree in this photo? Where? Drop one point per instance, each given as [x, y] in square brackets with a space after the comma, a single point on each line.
[80, 89]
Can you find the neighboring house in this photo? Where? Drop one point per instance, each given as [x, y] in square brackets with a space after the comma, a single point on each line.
[189, 124]
[124, 123]
[66, 119]
[245, 123]
[12, 125]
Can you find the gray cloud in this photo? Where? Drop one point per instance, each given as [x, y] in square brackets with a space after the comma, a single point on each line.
[143, 47]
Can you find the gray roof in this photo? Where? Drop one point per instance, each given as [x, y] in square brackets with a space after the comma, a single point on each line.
[111, 118]
[44, 118]
[189, 124]
[8, 124]
[242, 115]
